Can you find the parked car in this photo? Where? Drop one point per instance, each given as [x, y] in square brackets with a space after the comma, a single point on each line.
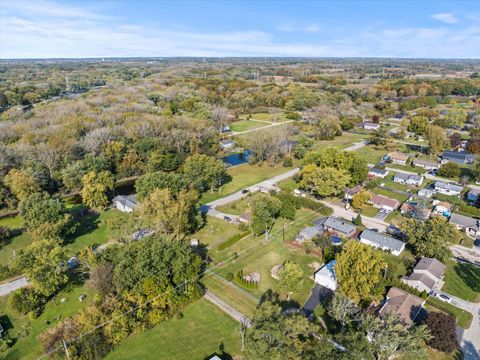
[477, 243]
[227, 218]
[443, 297]
[244, 191]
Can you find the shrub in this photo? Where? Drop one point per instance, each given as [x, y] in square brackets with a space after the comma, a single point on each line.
[233, 240]
[229, 276]
[293, 115]
[316, 206]
[27, 300]
[469, 209]
[287, 162]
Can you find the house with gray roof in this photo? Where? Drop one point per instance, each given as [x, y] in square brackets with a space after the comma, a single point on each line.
[425, 164]
[378, 173]
[307, 234]
[408, 179]
[124, 203]
[469, 224]
[447, 188]
[458, 157]
[427, 274]
[382, 241]
[336, 225]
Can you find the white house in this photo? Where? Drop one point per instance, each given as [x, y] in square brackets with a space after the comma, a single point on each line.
[443, 208]
[408, 179]
[381, 241]
[447, 188]
[425, 164]
[470, 225]
[370, 126]
[326, 276]
[227, 144]
[425, 193]
[398, 158]
[378, 173]
[124, 203]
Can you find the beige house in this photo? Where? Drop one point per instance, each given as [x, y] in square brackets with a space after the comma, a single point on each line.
[405, 305]
[427, 274]
[398, 158]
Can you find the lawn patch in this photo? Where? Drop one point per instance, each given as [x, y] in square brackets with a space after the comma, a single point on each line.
[463, 280]
[464, 318]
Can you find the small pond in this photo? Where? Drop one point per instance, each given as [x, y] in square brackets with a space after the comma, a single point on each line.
[237, 159]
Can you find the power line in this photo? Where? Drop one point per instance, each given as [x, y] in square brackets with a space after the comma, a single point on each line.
[196, 278]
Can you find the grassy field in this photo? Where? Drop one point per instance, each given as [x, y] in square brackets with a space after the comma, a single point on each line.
[340, 142]
[464, 318]
[12, 246]
[29, 347]
[256, 255]
[243, 176]
[369, 211]
[438, 355]
[393, 195]
[238, 207]
[201, 332]
[215, 232]
[244, 125]
[12, 222]
[463, 280]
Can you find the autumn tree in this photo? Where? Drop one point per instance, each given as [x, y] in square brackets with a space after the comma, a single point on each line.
[418, 125]
[96, 188]
[436, 138]
[450, 170]
[21, 184]
[360, 199]
[159, 180]
[443, 330]
[431, 237]
[358, 269]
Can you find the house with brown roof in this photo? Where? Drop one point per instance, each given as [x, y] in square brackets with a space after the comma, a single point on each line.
[383, 202]
[427, 274]
[405, 305]
[398, 158]
[351, 192]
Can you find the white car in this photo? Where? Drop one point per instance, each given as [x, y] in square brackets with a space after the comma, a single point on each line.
[443, 297]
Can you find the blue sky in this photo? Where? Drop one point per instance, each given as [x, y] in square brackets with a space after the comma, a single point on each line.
[355, 28]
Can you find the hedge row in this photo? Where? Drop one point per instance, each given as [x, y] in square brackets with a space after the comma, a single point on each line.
[233, 240]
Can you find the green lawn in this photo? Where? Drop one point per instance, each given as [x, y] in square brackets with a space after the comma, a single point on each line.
[244, 125]
[369, 211]
[464, 318]
[395, 218]
[238, 207]
[215, 232]
[92, 230]
[29, 347]
[288, 185]
[201, 332]
[12, 222]
[463, 280]
[393, 195]
[253, 254]
[340, 142]
[13, 246]
[243, 176]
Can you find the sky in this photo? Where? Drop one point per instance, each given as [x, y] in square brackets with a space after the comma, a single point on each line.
[161, 28]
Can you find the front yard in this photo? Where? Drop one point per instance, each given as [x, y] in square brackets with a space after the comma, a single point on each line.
[463, 280]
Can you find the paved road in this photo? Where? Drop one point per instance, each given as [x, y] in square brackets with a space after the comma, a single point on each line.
[369, 222]
[238, 195]
[13, 285]
[463, 253]
[237, 315]
[260, 128]
[357, 146]
[470, 342]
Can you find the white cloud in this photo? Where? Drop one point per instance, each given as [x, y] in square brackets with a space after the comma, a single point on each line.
[447, 18]
[312, 28]
[57, 30]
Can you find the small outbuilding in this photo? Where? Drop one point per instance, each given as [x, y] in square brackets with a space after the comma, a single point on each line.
[326, 276]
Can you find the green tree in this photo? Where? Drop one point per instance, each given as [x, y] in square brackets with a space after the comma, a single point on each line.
[204, 172]
[41, 208]
[96, 188]
[323, 181]
[21, 184]
[277, 336]
[418, 125]
[450, 170]
[44, 263]
[359, 270]
[169, 214]
[379, 137]
[265, 209]
[360, 199]
[343, 309]
[159, 180]
[289, 205]
[431, 237]
[391, 339]
[291, 278]
[358, 220]
[476, 168]
[455, 118]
